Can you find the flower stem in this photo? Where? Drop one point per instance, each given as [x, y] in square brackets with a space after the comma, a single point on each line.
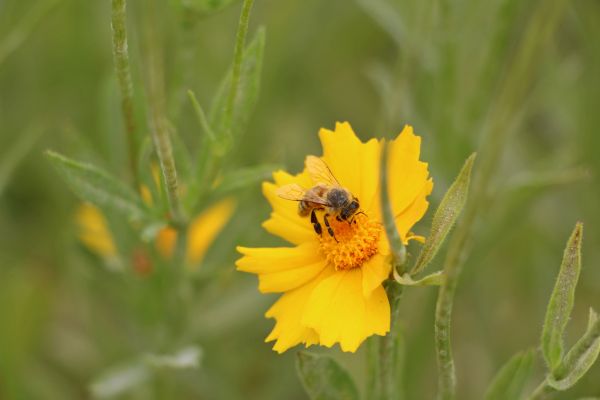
[159, 124]
[388, 346]
[237, 64]
[540, 392]
[121, 58]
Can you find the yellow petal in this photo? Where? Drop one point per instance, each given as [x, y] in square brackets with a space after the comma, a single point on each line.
[94, 232]
[407, 179]
[353, 163]
[338, 311]
[285, 221]
[287, 311]
[283, 268]
[414, 212]
[204, 229]
[374, 272]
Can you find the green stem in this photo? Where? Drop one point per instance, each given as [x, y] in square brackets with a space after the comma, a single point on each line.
[514, 91]
[237, 64]
[540, 392]
[123, 70]
[388, 347]
[159, 124]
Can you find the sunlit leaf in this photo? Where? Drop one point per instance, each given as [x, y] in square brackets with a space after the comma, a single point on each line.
[510, 380]
[188, 357]
[98, 187]
[446, 215]
[561, 301]
[324, 379]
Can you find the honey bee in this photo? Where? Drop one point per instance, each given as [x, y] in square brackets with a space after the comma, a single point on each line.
[327, 194]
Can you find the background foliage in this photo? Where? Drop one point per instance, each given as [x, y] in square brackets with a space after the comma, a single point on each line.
[67, 322]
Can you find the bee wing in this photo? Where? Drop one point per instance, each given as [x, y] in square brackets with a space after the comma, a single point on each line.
[293, 191]
[319, 171]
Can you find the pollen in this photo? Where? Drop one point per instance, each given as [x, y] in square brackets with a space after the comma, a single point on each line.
[356, 242]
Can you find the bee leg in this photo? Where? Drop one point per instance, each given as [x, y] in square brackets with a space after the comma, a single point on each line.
[338, 218]
[329, 229]
[315, 222]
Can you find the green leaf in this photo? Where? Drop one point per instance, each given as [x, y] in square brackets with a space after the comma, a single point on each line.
[96, 186]
[510, 380]
[435, 279]
[446, 215]
[580, 358]
[242, 178]
[247, 91]
[324, 379]
[382, 12]
[16, 152]
[561, 301]
[206, 6]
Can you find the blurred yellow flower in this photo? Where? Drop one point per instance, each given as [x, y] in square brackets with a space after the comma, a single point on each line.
[202, 231]
[93, 231]
[332, 286]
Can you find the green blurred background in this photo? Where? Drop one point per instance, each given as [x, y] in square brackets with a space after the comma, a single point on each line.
[66, 321]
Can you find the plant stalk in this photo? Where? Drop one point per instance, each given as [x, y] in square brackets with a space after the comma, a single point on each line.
[388, 347]
[123, 70]
[159, 124]
[240, 44]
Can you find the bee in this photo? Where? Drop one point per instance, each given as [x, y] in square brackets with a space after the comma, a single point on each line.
[327, 194]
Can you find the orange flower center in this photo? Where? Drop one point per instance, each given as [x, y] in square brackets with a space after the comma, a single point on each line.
[356, 242]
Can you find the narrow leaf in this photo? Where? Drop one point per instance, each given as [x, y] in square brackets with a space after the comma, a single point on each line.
[324, 379]
[382, 12]
[561, 301]
[510, 380]
[580, 358]
[98, 187]
[247, 91]
[435, 279]
[15, 154]
[446, 215]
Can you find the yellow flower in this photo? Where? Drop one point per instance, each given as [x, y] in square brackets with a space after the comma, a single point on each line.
[202, 231]
[93, 231]
[332, 286]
